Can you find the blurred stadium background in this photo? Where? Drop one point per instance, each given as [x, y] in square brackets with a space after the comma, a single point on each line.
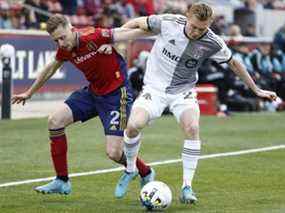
[245, 25]
[254, 30]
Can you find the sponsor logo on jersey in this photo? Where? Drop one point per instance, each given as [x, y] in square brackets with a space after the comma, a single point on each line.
[188, 62]
[80, 59]
[168, 54]
[191, 63]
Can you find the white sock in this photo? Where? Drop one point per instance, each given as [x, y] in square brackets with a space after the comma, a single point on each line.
[190, 157]
[131, 149]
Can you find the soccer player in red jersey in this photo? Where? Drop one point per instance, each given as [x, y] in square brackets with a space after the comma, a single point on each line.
[107, 95]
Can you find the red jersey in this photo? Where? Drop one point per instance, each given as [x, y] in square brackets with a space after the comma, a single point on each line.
[102, 71]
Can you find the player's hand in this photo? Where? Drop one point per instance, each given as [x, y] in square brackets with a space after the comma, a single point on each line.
[105, 49]
[266, 94]
[20, 98]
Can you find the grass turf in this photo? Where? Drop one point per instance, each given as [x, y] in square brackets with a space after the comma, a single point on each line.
[247, 183]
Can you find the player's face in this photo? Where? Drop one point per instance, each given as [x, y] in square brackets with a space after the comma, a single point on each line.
[196, 28]
[64, 37]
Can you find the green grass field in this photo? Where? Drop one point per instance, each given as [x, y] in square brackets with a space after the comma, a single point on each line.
[247, 183]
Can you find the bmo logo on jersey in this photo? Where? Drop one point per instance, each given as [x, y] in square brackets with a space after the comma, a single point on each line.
[188, 62]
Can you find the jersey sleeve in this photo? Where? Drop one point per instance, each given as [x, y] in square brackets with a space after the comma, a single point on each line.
[224, 55]
[154, 23]
[162, 23]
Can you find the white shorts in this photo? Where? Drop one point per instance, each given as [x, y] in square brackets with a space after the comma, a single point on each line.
[155, 102]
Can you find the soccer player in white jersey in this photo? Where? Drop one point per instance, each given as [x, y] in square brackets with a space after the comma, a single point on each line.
[182, 44]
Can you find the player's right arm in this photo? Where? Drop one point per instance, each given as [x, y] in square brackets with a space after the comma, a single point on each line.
[125, 34]
[44, 75]
[137, 23]
[150, 23]
[138, 28]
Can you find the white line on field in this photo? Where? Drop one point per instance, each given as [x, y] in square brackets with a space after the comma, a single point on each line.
[242, 152]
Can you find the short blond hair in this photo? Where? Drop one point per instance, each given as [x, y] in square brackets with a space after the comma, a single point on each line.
[54, 21]
[201, 11]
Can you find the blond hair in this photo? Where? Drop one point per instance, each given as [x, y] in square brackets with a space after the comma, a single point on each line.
[55, 21]
[201, 11]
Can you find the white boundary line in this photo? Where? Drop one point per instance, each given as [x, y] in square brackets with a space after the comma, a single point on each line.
[103, 171]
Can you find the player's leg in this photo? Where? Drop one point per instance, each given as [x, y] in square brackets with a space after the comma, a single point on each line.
[57, 122]
[77, 107]
[139, 118]
[114, 150]
[114, 110]
[189, 122]
[187, 113]
[146, 107]
[114, 147]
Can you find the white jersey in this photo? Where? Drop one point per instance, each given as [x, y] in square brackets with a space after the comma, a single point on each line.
[172, 66]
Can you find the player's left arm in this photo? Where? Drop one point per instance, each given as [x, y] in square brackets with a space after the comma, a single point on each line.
[224, 55]
[240, 70]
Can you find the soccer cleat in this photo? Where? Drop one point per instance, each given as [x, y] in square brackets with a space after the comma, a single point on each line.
[56, 186]
[122, 185]
[187, 195]
[150, 177]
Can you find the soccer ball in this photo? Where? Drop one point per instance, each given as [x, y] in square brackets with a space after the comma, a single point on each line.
[155, 195]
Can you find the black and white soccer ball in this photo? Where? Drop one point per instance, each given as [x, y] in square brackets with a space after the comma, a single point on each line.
[156, 195]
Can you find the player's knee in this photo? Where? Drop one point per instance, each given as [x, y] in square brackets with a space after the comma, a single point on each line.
[55, 122]
[136, 124]
[191, 130]
[114, 154]
[134, 128]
